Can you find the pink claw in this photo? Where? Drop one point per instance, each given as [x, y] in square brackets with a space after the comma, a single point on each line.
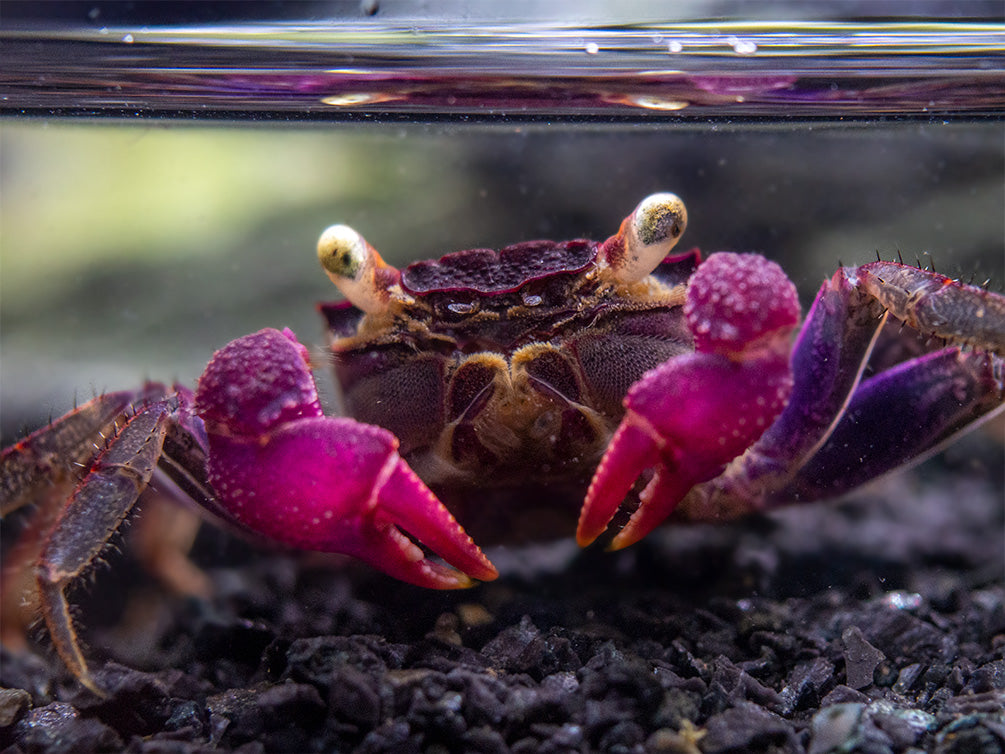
[689, 417]
[284, 470]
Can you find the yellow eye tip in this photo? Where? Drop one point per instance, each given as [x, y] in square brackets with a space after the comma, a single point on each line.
[660, 219]
[357, 269]
[342, 252]
[645, 238]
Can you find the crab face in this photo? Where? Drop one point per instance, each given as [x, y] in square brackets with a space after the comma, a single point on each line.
[505, 371]
[507, 393]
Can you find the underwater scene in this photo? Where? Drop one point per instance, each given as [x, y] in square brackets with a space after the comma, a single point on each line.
[164, 186]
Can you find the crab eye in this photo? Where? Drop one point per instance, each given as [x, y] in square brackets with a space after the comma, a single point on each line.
[356, 268]
[646, 237]
[660, 219]
[342, 252]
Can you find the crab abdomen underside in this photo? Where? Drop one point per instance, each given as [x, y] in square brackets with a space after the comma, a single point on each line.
[544, 410]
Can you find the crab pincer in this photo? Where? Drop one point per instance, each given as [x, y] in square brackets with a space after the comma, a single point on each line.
[688, 418]
[286, 471]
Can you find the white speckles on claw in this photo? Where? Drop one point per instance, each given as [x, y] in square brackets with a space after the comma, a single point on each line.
[255, 382]
[736, 300]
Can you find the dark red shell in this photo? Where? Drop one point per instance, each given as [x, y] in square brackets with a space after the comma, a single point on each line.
[491, 272]
[343, 318]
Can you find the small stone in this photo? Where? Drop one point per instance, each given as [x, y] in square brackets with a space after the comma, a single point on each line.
[445, 630]
[907, 677]
[835, 728]
[842, 695]
[747, 727]
[58, 728]
[860, 658]
[12, 703]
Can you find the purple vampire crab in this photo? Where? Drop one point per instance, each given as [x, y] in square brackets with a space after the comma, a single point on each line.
[505, 395]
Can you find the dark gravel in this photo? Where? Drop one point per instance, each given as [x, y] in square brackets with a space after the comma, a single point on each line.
[873, 625]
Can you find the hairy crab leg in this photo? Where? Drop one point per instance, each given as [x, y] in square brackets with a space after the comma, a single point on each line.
[42, 469]
[686, 419]
[91, 516]
[53, 452]
[936, 305]
[938, 394]
[66, 535]
[286, 471]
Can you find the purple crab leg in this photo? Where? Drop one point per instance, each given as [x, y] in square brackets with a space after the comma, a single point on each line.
[72, 532]
[827, 360]
[896, 416]
[54, 451]
[890, 419]
[686, 419]
[93, 513]
[286, 471]
[42, 469]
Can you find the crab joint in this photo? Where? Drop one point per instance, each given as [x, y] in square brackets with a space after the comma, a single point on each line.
[356, 268]
[646, 236]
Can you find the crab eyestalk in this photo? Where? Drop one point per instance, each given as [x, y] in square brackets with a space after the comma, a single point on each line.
[645, 238]
[356, 268]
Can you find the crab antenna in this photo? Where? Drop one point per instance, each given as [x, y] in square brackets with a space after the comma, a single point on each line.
[646, 236]
[357, 269]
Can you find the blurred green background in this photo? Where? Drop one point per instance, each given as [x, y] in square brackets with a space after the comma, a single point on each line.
[133, 250]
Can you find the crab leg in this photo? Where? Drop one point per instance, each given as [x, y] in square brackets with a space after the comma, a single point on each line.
[935, 304]
[90, 517]
[51, 452]
[64, 536]
[937, 395]
[284, 470]
[689, 417]
[901, 414]
[42, 469]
